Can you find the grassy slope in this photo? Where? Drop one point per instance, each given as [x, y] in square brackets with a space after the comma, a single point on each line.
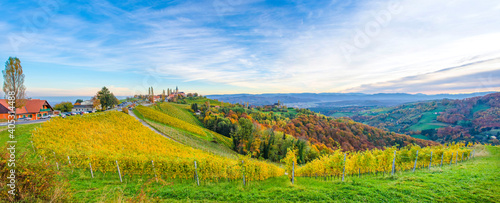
[203, 100]
[423, 137]
[477, 180]
[179, 111]
[428, 121]
[480, 107]
[199, 142]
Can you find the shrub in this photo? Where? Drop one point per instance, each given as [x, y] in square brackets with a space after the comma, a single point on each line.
[35, 181]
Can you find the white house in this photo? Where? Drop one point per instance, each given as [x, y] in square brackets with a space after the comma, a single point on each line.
[87, 105]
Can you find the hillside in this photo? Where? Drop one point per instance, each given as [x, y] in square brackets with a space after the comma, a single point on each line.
[266, 132]
[347, 134]
[476, 180]
[175, 121]
[325, 101]
[104, 139]
[475, 119]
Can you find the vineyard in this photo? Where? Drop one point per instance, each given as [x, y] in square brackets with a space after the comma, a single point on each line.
[109, 141]
[193, 141]
[176, 111]
[176, 122]
[385, 161]
[160, 117]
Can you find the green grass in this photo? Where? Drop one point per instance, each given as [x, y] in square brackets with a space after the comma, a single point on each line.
[189, 139]
[480, 107]
[472, 181]
[179, 111]
[341, 114]
[375, 111]
[423, 137]
[428, 121]
[22, 135]
[477, 180]
[201, 101]
[207, 135]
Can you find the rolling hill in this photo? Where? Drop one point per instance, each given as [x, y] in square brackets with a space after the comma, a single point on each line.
[475, 119]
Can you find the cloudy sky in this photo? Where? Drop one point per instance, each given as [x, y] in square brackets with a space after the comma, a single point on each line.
[223, 46]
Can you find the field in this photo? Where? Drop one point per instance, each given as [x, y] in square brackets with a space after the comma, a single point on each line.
[420, 137]
[104, 140]
[428, 121]
[179, 111]
[477, 180]
[181, 122]
[201, 101]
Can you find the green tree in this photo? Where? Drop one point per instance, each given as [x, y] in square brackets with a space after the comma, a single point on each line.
[13, 84]
[64, 106]
[107, 99]
[194, 106]
[78, 101]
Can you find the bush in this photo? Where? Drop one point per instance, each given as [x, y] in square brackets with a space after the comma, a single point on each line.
[125, 110]
[35, 181]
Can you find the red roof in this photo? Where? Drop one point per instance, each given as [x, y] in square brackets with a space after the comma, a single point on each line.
[31, 106]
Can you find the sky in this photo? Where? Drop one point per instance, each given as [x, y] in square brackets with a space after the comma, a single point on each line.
[72, 48]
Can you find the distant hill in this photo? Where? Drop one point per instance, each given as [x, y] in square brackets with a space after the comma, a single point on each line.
[475, 119]
[267, 131]
[325, 100]
[346, 133]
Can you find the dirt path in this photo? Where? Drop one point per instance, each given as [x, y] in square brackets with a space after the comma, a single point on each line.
[147, 125]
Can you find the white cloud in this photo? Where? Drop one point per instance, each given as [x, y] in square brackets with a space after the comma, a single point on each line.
[273, 49]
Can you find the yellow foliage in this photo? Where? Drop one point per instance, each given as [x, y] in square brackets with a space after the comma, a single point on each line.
[169, 120]
[377, 160]
[103, 138]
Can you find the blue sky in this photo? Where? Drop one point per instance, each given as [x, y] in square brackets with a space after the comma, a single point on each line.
[221, 46]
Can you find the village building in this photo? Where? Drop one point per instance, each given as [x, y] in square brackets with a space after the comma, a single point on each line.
[85, 106]
[33, 108]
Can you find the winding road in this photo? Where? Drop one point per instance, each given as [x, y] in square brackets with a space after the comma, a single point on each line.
[147, 125]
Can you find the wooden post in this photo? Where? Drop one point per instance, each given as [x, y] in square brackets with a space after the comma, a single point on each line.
[359, 172]
[243, 172]
[69, 160]
[451, 159]
[456, 158]
[33, 146]
[119, 172]
[196, 174]
[430, 162]
[415, 165]
[343, 173]
[474, 154]
[442, 156]
[55, 159]
[154, 171]
[394, 163]
[293, 171]
[462, 157]
[91, 172]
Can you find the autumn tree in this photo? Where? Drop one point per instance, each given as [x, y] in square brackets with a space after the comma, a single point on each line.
[13, 84]
[64, 106]
[96, 103]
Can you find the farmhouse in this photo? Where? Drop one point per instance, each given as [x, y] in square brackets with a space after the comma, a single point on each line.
[84, 106]
[34, 108]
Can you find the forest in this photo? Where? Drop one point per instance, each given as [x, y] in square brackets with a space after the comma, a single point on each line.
[475, 119]
[266, 132]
